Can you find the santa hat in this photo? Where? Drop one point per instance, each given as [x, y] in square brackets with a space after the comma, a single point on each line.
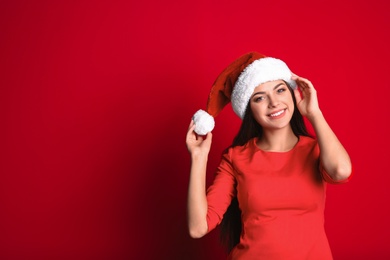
[236, 85]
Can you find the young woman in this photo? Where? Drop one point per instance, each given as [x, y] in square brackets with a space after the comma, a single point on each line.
[269, 190]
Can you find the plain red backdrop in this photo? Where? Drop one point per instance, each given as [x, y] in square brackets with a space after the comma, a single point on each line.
[96, 98]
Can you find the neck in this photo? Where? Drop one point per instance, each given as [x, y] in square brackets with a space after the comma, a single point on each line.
[278, 140]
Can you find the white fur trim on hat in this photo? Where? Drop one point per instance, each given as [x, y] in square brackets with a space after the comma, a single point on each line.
[204, 122]
[258, 72]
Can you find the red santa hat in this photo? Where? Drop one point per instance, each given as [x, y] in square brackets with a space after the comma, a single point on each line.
[236, 84]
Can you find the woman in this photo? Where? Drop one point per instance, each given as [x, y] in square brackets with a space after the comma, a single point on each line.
[274, 175]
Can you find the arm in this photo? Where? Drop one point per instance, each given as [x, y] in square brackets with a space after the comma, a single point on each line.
[197, 203]
[334, 158]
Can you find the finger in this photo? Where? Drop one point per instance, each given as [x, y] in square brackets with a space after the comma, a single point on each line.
[208, 138]
[191, 124]
[299, 80]
[190, 132]
[298, 96]
[191, 129]
[294, 76]
[303, 86]
[305, 82]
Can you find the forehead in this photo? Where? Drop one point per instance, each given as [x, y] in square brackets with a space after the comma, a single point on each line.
[268, 85]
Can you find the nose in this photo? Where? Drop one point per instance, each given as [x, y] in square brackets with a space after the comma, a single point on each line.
[272, 101]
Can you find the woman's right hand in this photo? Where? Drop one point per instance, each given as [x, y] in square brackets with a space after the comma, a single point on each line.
[198, 145]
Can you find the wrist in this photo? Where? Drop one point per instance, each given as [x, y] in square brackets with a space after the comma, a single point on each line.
[199, 157]
[313, 117]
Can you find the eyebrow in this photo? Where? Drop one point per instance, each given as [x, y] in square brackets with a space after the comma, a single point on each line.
[262, 92]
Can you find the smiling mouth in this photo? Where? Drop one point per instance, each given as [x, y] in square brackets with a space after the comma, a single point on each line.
[277, 113]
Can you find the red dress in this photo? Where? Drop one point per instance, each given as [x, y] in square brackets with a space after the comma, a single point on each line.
[281, 196]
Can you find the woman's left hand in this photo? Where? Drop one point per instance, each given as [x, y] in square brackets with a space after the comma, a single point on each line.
[307, 103]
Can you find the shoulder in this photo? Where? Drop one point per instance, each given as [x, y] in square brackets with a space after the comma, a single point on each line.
[307, 144]
[240, 152]
[307, 141]
[240, 149]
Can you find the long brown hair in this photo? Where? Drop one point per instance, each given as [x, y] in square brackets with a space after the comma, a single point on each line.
[231, 224]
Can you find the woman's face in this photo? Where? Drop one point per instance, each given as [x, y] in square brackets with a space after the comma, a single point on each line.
[272, 105]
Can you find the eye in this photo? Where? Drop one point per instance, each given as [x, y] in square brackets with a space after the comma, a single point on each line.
[281, 90]
[258, 99]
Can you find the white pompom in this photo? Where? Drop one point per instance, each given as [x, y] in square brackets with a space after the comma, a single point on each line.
[204, 122]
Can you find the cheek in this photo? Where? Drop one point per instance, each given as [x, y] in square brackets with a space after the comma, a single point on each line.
[292, 106]
[289, 100]
[258, 112]
[257, 109]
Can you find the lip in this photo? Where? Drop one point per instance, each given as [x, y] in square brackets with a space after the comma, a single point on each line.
[280, 113]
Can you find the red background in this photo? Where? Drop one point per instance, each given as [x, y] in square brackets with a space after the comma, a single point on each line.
[96, 98]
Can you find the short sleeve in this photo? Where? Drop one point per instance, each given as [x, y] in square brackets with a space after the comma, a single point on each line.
[221, 191]
[329, 179]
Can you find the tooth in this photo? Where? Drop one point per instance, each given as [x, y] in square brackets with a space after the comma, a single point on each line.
[278, 113]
